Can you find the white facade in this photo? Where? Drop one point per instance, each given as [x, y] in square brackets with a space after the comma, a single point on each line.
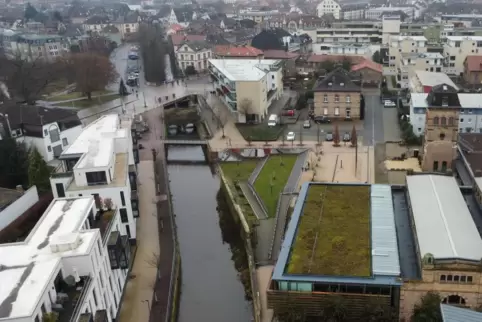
[343, 33]
[470, 118]
[189, 54]
[342, 49]
[376, 13]
[63, 266]
[457, 48]
[327, 7]
[101, 162]
[16, 208]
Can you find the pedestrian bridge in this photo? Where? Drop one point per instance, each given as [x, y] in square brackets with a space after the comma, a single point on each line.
[186, 142]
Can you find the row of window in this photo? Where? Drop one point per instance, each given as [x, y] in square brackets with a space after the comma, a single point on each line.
[205, 55]
[456, 278]
[337, 99]
[337, 111]
[443, 121]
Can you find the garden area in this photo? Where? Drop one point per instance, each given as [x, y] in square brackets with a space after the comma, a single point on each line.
[84, 103]
[333, 235]
[273, 178]
[259, 132]
[75, 95]
[240, 171]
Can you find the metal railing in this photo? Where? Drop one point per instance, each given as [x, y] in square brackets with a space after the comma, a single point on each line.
[80, 300]
[258, 199]
[275, 227]
[257, 171]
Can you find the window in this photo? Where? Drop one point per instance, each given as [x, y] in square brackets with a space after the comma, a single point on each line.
[348, 99]
[272, 76]
[462, 120]
[49, 148]
[182, 56]
[54, 135]
[445, 101]
[451, 121]
[123, 213]
[95, 296]
[113, 259]
[65, 142]
[443, 121]
[42, 308]
[123, 200]
[435, 168]
[456, 277]
[442, 136]
[37, 319]
[337, 98]
[325, 111]
[337, 111]
[46, 133]
[97, 177]
[192, 57]
[469, 279]
[348, 112]
[449, 278]
[442, 277]
[435, 120]
[128, 230]
[463, 278]
[325, 98]
[60, 190]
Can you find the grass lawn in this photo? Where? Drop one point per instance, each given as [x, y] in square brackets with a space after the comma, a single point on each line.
[93, 102]
[269, 189]
[343, 244]
[74, 95]
[240, 171]
[260, 132]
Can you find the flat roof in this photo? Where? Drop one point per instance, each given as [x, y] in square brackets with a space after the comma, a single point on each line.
[96, 143]
[243, 69]
[381, 244]
[443, 224]
[415, 38]
[26, 268]
[433, 78]
[7, 196]
[461, 38]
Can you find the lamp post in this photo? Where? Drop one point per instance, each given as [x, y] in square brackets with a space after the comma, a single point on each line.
[5, 116]
[144, 97]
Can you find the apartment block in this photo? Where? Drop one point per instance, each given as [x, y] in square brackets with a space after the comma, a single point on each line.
[349, 32]
[247, 86]
[343, 49]
[456, 49]
[101, 163]
[72, 267]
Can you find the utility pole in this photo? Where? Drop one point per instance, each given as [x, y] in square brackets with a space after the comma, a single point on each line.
[356, 156]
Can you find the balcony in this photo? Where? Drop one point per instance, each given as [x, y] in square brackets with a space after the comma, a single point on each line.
[101, 316]
[135, 204]
[70, 298]
[133, 177]
[103, 221]
[119, 251]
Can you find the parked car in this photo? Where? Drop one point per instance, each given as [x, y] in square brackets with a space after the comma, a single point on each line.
[288, 113]
[307, 124]
[172, 130]
[329, 136]
[321, 120]
[189, 128]
[346, 137]
[389, 103]
[290, 136]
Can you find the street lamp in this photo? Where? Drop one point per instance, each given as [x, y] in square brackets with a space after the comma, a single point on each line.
[5, 116]
[148, 305]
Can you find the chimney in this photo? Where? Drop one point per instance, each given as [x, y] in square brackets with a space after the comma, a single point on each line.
[19, 188]
[478, 173]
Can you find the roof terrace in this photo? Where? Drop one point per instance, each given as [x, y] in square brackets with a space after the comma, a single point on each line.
[341, 233]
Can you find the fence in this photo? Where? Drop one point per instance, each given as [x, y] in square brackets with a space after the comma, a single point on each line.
[258, 199]
[257, 171]
[276, 219]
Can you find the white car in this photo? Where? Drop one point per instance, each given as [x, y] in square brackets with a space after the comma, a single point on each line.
[389, 103]
[290, 136]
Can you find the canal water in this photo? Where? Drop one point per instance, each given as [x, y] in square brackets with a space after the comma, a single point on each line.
[211, 288]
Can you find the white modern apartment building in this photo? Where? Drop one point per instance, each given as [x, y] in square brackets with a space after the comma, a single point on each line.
[247, 86]
[457, 48]
[349, 32]
[101, 162]
[73, 265]
[257, 15]
[328, 7]
[377, 13]
[343, 49]
[470, 118]
[49, 130]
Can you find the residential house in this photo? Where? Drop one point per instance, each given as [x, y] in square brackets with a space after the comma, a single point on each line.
[175, 29]
[295, 23]
[241, 52]
[49, 130]
[275, 39]
[456, 49]
[473, 70]
[127, 25]
[96, 23]
[178, 40]
[336, 96]
[101, 162]
[423, 81]
[75, 263]
[194, 53]
[370, 72]
[315, 62]
[328, 7]
[288, 60]
[247, 87]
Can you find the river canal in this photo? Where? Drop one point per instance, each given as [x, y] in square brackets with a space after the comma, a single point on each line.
[211, 289]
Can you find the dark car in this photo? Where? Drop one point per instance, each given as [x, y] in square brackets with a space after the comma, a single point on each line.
[321, 120]
[329, 136]
[346, 137]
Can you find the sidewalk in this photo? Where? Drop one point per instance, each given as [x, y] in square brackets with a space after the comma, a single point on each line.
[140, 288]
[264, 275]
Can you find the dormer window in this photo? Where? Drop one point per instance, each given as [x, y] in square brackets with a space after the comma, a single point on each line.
[445, 101]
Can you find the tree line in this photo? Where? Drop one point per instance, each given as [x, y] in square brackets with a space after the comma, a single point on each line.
[153, 51]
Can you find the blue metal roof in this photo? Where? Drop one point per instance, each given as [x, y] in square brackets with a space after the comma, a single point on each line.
[385, 257]
[456, 314]
[386, 267]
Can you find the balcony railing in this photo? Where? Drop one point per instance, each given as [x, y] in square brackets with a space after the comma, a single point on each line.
[103, 221]
[70, 300]
[67, 174]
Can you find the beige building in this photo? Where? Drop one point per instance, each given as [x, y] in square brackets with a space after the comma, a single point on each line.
[337, 97]
[247, 86]
[447, 244]
[441, 128]
[457, 48]
[194, 53]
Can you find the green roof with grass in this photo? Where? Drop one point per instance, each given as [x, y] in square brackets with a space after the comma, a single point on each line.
[273, 178]
[333, 235]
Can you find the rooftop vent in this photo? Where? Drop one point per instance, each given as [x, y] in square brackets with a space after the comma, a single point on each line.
[65, 242]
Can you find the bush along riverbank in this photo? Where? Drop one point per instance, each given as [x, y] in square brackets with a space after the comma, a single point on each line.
[231, 234]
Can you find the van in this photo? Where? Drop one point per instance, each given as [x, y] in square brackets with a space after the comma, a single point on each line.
[273, 120]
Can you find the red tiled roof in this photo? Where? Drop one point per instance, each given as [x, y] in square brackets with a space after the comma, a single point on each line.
[178, 39]
[176, 27]
[335, 58]
[237, 51]
[474, 63]
[279, 54]
[367, 63]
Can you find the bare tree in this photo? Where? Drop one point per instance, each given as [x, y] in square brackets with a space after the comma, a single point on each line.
[91, 72]
[222, 120]
[336, 136]
[245, 107]
[354, 137]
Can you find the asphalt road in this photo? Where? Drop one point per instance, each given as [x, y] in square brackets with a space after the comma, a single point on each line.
[373, 130]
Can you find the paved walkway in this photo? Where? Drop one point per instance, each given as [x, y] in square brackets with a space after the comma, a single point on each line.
[252, 200]
[264, 276]
[140, 288]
